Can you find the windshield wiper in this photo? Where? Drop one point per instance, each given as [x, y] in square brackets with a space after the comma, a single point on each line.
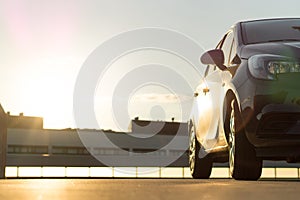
[284, 40]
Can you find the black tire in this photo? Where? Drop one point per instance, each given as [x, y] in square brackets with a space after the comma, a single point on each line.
[244, 165]
[200, 163]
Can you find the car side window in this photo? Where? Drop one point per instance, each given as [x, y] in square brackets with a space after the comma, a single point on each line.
[232, 54]
[226, 47]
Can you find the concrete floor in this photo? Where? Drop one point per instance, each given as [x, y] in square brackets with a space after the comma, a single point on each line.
[43, 189]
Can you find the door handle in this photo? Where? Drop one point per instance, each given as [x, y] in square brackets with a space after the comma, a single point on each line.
[196, 94]
[205, 90]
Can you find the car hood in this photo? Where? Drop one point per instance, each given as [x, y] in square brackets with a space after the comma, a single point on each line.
[289, 49]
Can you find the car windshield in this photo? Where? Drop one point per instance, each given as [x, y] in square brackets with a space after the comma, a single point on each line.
[275, 30]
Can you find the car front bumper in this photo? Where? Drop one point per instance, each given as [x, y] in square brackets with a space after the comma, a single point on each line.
[271, 115]
[275, 132]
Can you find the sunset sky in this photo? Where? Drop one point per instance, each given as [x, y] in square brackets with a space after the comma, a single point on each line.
[44, 45]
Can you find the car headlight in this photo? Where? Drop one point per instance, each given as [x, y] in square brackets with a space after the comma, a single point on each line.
[266, 66]
[280, 67]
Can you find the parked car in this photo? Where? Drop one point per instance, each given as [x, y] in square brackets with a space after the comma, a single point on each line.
[247, 107]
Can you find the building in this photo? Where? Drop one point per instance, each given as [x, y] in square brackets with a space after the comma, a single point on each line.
[28, 144]
[24, 122]
[158, 127]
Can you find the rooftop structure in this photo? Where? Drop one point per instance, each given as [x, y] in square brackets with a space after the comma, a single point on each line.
[158, 127]
[24, 122]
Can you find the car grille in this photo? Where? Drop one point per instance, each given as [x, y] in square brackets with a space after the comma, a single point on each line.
[279, 124]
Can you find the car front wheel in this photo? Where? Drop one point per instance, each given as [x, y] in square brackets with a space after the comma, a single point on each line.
[244, 165]
[199, 161]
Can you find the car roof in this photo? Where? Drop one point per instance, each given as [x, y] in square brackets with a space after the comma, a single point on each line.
[269, 19]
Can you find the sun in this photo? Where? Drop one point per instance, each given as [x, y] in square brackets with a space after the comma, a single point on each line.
[48, 95]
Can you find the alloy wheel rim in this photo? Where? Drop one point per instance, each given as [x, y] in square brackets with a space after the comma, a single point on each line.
[192, 149]
[232, 140]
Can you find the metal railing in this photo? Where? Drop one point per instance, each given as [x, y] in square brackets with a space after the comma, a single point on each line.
[60, 153]
[135, 172]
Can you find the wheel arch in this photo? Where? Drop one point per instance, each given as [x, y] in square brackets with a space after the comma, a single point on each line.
[230, 95]
[192, 124]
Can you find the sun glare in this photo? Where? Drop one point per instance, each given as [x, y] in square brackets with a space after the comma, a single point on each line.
[46, 92]
[53, 102]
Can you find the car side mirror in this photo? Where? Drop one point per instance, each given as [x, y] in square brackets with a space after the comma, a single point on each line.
[214, 57]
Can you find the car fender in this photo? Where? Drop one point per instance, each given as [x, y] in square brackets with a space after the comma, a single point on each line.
[229, 88]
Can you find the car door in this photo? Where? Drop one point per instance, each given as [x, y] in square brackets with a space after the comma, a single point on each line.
[231, 62]
[209, 97]
[208, 104]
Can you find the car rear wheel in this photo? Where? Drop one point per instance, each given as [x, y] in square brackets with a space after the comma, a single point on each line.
[244, 165]
[199, 161]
